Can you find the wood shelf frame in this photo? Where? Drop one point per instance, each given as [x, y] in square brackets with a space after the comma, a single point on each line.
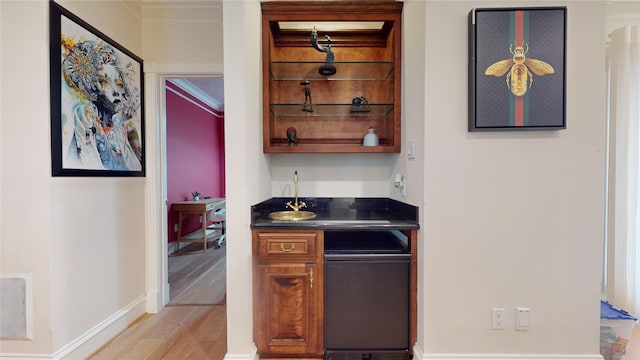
[367, 62]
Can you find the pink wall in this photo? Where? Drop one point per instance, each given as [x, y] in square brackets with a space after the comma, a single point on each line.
[195, 154]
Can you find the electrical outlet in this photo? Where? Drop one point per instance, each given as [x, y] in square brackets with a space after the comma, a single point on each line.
[497, 319]
[200, 219]
[175, 227]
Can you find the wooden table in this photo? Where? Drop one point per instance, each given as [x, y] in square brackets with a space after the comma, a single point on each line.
[212, 209]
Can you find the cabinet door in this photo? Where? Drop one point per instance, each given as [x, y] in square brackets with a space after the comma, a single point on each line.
[288, 309]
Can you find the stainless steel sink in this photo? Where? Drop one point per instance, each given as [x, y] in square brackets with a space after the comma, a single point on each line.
[292, 215]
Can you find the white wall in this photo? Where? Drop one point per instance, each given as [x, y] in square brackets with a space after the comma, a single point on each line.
[348, 175]
[25, 219]
[82, 239]
[189, 36]
[248, 176]
[512, 218]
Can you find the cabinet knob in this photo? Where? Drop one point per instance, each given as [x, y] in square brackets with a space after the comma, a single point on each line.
[283, 249]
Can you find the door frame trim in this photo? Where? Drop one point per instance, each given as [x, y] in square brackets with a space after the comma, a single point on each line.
[157, 283]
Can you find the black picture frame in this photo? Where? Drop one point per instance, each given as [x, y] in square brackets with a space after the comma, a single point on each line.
[97, 101]
[517, 68]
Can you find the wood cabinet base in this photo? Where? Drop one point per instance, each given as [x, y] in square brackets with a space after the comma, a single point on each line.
[288, 291]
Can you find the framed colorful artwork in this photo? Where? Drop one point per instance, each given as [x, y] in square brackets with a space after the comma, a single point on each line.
[97, 101]
[517, 68]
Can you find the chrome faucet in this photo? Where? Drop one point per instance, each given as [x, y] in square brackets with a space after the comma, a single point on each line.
[297, 205]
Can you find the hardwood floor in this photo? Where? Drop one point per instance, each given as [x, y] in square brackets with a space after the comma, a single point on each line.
[193, 325]
[175, 332]
[198, 277]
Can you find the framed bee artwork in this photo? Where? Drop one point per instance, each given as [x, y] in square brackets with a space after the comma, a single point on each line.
[517, 77]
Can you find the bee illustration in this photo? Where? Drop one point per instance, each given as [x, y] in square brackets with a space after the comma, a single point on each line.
[518, 77]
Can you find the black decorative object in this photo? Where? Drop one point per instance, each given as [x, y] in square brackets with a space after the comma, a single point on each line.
[328, 68]
[308, 104]
[360, 104]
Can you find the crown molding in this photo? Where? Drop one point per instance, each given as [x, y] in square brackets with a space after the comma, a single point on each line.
[182, 11]
[194, 91]
[208, 69]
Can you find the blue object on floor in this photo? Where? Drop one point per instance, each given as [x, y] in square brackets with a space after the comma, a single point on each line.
[608, 311]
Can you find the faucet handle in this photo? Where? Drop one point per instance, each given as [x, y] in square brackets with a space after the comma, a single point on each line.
[288, 205]
[302, 204]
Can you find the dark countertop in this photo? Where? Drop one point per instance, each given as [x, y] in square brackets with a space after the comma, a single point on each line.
[340, 213]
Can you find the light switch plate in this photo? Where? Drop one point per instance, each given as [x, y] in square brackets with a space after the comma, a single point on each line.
[411, 149]
[522, 318]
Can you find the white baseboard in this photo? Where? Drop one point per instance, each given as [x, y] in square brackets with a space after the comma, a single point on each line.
[25, 356]
[98, 336]
[252, 355]
[418, 354]
[508, 357]
[92, 340]
[154, 300]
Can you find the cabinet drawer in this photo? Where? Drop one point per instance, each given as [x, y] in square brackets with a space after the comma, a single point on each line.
[278, 244]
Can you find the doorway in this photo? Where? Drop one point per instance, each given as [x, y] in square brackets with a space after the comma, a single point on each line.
[193, 143]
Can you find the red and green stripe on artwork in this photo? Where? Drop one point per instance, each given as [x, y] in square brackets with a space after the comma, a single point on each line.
[518, 36]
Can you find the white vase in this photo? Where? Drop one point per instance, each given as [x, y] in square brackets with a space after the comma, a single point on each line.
[371, 139]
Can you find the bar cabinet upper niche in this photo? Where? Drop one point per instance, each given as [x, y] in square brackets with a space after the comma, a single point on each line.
[322, 94]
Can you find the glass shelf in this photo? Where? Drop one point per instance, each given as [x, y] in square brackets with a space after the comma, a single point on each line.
[329, 110]
[285, 70]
